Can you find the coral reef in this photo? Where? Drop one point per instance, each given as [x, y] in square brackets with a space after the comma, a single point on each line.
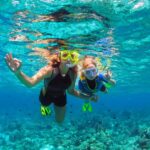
[90, 132]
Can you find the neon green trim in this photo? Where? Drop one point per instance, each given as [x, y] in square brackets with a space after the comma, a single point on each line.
[108, 85]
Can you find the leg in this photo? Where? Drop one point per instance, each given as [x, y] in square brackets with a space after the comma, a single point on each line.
[45, 102]
[104, 89]
[60, 113]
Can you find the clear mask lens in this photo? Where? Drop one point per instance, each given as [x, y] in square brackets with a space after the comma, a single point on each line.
[92, 72]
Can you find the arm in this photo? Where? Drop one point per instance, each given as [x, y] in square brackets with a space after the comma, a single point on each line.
[15, 65]
[111, 81]
[108, 78]
[31, 81]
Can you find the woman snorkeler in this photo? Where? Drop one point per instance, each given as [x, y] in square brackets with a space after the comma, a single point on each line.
[91, 81]
[59, 76]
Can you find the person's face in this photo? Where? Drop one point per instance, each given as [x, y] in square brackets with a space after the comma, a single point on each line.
[68, 63]
[90, 71]
[69, 59]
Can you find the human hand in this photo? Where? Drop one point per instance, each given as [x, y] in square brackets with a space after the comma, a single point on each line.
[13, 63]
[108, 75]
[94, 98]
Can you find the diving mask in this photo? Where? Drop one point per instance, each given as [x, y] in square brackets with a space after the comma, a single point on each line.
[73, 56]
[91, 72]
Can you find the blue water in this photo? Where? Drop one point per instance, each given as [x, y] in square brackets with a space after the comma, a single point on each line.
[117, 31]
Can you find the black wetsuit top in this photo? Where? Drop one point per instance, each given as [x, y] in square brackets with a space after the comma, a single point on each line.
[91, 83]
[59, 84]
[56, 90]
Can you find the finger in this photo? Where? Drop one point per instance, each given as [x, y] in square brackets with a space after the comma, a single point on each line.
[7, 60]
[8, 64]
[17, 64]
[7, 57]
[11, 57]
[107, 72]
[17, 60]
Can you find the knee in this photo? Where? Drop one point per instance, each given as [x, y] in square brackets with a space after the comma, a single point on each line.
[60, 114]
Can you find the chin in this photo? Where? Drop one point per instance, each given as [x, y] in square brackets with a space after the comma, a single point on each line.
[91, 78]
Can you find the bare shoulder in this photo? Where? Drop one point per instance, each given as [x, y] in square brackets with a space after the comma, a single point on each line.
[47, 70]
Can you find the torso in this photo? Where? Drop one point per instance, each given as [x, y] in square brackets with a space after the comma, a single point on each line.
[90, 86]
[57, 84]
[91, 83]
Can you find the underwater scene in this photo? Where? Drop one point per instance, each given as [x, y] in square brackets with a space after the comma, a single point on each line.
[74, 75]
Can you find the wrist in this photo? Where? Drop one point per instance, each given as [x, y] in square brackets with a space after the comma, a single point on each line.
[108, 78]
[83, 95]
[17, 72]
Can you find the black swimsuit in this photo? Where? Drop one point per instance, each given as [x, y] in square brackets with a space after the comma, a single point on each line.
[92, 85]
[56, 90]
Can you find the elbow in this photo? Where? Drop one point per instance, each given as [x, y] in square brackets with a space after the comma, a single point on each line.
[74, 92]
[30, 84]
[113, 82]
[71, 92]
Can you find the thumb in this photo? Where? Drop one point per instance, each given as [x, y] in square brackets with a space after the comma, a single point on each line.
[15, 59]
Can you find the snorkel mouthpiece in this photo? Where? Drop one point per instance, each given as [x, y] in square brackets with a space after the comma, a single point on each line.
[70, 65]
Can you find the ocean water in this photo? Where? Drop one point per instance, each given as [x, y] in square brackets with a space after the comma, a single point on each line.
[116, 31]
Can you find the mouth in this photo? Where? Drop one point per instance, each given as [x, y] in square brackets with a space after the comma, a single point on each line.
[91, 77]
[70, 65]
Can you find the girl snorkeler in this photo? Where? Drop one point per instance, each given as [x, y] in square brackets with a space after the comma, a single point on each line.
[91, 81]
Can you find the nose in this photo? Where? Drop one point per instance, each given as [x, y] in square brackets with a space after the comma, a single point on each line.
[91, 74]
[68, 60]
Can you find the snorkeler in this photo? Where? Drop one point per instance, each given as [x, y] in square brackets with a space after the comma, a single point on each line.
[91, 81]
[59, 76]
